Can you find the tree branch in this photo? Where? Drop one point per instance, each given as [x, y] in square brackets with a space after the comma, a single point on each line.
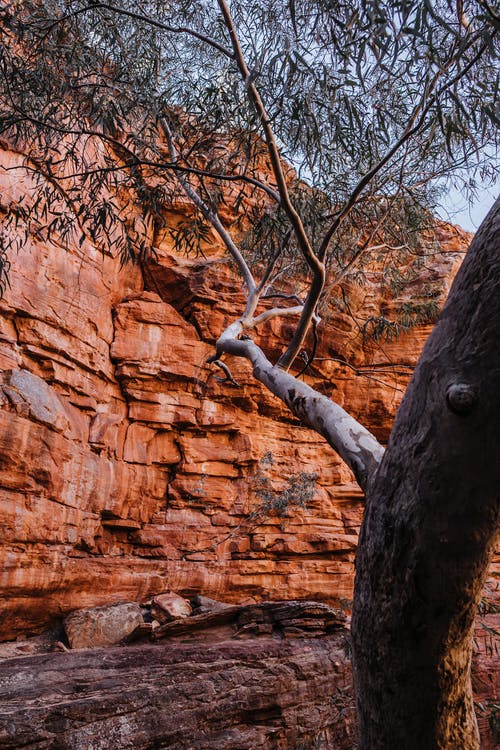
[275, 312]
[313, 296]
[354, 443]
[225, 369]
[213, 218]
[276, 163]
[176, 167]
[315, 264]
[146, 19]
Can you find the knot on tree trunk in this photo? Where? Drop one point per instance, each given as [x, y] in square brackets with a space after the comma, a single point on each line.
[461, 398]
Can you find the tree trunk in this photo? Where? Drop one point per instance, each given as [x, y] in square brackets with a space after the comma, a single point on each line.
[430, 525]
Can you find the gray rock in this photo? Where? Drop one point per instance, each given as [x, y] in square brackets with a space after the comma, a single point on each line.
[102, 626]
[201, 604]
[30, 393]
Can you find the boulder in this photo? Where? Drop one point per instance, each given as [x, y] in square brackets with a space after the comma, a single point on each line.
[102, 626]
[202, 604]
[169, 606]
[258, 693]
[283, 619]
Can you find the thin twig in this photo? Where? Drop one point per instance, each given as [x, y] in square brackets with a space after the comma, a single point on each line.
[225, 369]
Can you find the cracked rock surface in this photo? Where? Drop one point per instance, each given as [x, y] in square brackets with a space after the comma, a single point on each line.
[223, 681]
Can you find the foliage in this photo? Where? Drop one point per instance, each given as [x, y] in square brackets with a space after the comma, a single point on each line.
[189, 235]
[376, 104]
[380, 328]
[298, 492]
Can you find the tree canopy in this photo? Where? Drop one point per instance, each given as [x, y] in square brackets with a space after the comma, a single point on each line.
[332, 126]
[374, 104]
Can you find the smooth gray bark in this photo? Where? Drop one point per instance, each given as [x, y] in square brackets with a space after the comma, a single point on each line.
[354, 443]
[430, 524]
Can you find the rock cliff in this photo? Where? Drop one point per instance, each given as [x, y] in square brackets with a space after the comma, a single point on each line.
[128, 469]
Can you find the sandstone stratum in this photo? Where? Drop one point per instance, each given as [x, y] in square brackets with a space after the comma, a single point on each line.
[127, 469]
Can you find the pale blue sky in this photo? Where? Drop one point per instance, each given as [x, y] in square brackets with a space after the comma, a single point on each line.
[457, 209]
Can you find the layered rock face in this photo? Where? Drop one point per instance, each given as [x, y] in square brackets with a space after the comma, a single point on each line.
[225, 695]
[127, 469]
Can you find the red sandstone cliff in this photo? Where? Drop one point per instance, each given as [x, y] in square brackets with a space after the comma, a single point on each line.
[127, 469]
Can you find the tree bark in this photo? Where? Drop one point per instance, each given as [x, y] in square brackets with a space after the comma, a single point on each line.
[430, 525]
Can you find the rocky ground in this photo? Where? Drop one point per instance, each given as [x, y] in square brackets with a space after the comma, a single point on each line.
[269, 676]
[198, 675]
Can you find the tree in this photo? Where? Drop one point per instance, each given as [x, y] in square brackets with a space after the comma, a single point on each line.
[430, 524]
[375, 104]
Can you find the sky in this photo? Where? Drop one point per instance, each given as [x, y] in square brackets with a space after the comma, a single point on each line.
[457, 209]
